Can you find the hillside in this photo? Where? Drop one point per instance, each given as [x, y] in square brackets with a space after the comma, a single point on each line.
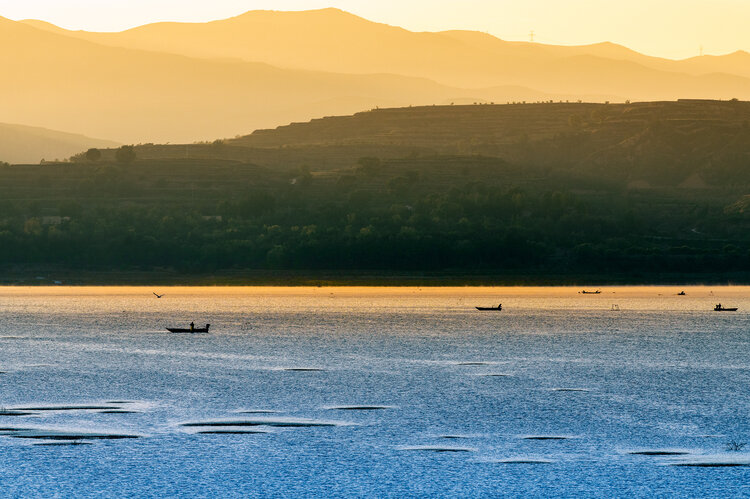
[23, 144]
[650, 143]
[544, 193]
[443, 126]
[336, 41]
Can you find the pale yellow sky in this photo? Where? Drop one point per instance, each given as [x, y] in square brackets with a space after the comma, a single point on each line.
[667, 28]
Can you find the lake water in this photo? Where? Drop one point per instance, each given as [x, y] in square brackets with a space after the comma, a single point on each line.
[374, 392]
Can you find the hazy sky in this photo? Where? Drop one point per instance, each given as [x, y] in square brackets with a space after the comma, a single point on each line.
[668, 28]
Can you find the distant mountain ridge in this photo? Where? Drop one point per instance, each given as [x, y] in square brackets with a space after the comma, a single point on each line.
[337, 41]
[144, 96]
[183, 82]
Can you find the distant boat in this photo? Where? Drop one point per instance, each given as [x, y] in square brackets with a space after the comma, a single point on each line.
[497, 309]
[191, 329]
[719, 308]
[597, 292]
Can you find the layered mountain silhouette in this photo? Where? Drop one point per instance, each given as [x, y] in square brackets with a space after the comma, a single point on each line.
[196, 81]
[24, 144]
[63, 82]
[336, 41]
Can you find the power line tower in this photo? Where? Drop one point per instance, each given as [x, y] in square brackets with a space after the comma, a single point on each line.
[531, 36]
[701, 51]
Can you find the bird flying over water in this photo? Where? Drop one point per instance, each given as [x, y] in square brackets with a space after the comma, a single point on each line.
[158, 296]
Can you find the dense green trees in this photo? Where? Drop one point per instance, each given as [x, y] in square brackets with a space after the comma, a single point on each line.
[125, 155]
[93, 154]
[447, 214]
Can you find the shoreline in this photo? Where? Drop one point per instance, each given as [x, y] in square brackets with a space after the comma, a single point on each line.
[70, 277]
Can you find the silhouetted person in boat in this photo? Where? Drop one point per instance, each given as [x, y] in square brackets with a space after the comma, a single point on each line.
[192, 327]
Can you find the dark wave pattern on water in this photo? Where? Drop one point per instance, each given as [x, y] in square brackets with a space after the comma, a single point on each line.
[323, 392]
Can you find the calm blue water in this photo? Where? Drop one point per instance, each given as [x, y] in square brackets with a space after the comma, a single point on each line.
[663, 373]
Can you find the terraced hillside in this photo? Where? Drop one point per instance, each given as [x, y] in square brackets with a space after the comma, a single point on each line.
[691, 143]
[446, 128]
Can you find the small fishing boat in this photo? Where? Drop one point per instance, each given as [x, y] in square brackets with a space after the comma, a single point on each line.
[496, 309]
[191, 329]
[597, 292]
[719, 308]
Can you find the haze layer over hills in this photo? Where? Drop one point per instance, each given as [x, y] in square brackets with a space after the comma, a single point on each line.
[24, 144]
[183, 82]
[62, 82]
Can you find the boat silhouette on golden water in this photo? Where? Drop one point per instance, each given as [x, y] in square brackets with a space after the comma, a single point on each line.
[191, 329]
[720, 308]
[496, 309]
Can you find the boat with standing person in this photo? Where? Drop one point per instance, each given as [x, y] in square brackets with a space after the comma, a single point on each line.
[191, 329]
[720, 308]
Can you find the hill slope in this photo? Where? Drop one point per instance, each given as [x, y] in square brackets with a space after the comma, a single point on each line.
[658, 141]
[24, 144]
[642, 193]
[442, 126]
[690, 143]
